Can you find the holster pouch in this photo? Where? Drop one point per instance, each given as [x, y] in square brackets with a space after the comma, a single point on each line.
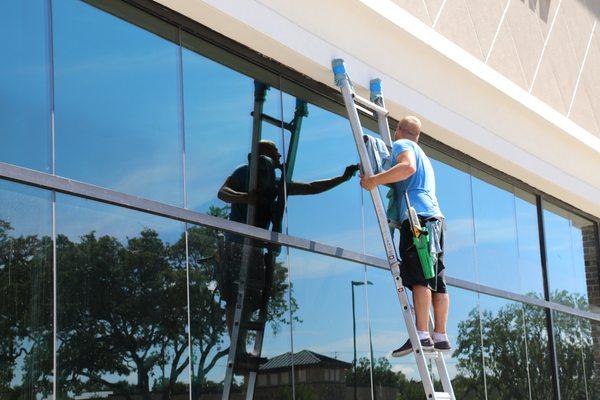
[422, 245]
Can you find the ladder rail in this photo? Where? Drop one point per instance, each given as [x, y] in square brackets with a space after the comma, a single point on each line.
[294, 127]
[259, 99]
[343, 82]
[382, 121]
[442, 368]
[385, 233]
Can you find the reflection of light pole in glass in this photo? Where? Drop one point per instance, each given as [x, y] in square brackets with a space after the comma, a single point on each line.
[352, 284]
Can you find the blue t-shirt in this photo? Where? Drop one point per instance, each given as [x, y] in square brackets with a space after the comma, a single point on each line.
[420, 185]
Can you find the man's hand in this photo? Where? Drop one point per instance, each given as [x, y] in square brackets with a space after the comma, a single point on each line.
[350, 171]
[367, 183]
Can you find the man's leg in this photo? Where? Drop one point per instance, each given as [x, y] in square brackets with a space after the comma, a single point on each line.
[422, 302]
[441, 304]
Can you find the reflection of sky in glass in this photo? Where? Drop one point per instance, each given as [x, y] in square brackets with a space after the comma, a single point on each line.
[218, 125]
[322, 288]
[117, 104]
[325, 148]
[495, 236]
[454, 196]
[24, 84]
[530, 265]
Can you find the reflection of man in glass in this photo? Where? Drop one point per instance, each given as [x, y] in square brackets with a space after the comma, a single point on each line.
[269, 200]
[412, 173]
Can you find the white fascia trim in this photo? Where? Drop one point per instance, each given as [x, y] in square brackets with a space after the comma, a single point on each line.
[412, 25]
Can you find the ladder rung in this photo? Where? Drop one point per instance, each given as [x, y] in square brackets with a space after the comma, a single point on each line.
[442, 396]
[253, 326]
[369, 104]
[431, 354]
[248, 363]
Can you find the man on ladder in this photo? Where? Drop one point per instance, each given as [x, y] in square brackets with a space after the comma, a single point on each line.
[412, 174]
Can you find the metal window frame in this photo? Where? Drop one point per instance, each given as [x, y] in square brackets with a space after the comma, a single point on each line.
[103, 195]
[549, 317]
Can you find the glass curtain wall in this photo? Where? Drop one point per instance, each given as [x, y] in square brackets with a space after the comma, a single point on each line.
[145, 304]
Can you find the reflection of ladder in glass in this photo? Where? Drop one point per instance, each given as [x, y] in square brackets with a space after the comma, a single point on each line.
[251, 362]
[376, 107]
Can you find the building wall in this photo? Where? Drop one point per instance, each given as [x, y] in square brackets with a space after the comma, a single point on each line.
[120, 123]
[539, 45]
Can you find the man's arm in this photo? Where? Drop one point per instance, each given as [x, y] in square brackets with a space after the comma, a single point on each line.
[406, 165]
[229, 195]
[316, 187]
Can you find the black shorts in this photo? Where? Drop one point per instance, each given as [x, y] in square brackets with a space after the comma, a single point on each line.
[411, 271]
[230, 254]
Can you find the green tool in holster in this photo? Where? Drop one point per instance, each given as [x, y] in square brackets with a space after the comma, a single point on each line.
[420, 240]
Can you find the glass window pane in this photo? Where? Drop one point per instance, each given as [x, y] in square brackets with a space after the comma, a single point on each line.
[330, 295]
[324, 205]
[504, 348]
[538, 352]
[454, 195]
[465, 363]
[530, 265]
[495, 233]
[572, 263]
[590, 336]
[117, 94]
[223, 108]
[25, 84]
[389, 332]
[26, 307]
[122, 304]
[216, 260]
[570, 351]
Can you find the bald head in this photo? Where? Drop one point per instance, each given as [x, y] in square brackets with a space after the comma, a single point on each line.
[409, 127]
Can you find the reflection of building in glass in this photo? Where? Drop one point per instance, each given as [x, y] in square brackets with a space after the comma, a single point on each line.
[323, 376]
[120, 121]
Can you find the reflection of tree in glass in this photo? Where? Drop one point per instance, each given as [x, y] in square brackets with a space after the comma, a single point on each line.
[208, 315]
[574, 349]
[504, 347]
[25, 315]
[122, 313]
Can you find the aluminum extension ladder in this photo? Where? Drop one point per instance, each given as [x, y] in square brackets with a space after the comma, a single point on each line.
[376, 107]
[251, 363]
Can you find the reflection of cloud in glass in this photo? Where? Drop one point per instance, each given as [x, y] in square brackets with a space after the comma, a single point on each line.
[306, 267]
[147, 59]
